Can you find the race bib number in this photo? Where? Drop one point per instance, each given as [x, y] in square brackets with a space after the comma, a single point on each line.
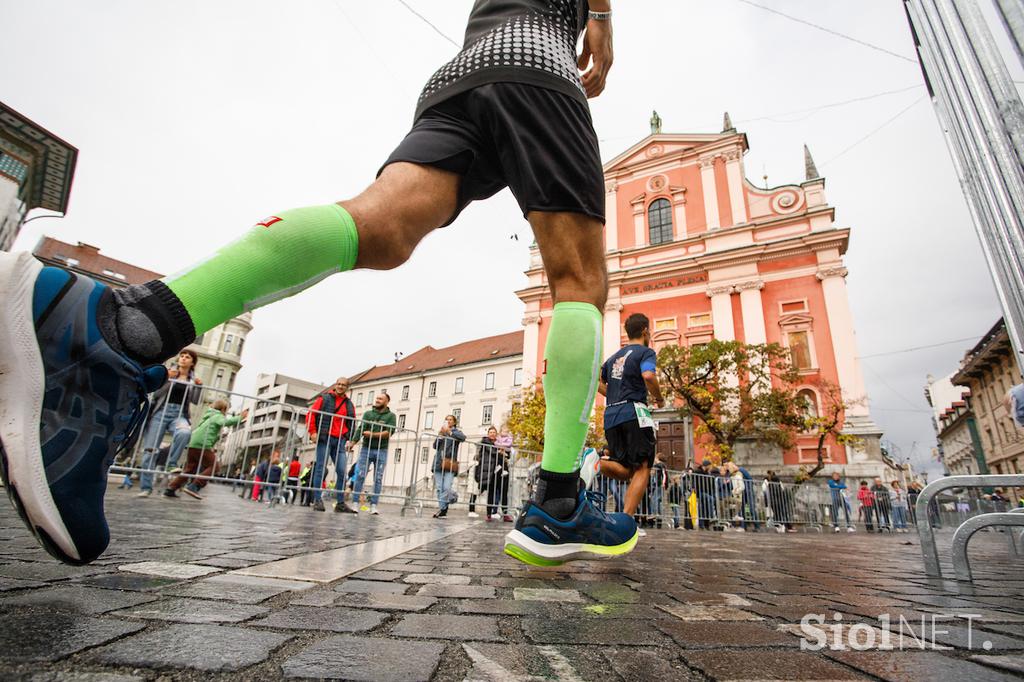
[643, 416]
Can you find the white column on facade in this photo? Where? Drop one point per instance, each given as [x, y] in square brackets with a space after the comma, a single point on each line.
[612, 327]
[679, 211]
[844, 341]
[752, 309]
[611, 216]
[639, 233]
[734, 175]
[531, 347]
[707, 181]
[721, 312]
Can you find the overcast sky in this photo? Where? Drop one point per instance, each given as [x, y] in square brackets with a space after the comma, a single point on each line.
[196, 119]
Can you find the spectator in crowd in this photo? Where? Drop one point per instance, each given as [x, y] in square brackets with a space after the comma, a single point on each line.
[274, 473]
[375, 429]
[749, 510]
[294, 471]
[867, 504]
[705, 484]
[170, 411]
[201, 460]
[899, 500]
[675, 498]
[493, 468]
[883, 504]
[998, 500]
[780, 501]
[304, 478]
[475, 482]
[738, 491]
[446, 463]
[659, 482]
[837, 489]
[329, 423]
[723, 492]
[259, 477]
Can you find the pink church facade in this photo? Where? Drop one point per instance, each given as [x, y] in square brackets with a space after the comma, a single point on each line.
[704, 253]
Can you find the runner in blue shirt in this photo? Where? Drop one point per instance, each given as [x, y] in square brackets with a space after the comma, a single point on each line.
[627, 379]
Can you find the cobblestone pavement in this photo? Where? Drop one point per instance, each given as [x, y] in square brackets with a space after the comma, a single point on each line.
[230, 589]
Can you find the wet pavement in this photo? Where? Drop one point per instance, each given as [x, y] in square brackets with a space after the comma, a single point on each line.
[234, 590]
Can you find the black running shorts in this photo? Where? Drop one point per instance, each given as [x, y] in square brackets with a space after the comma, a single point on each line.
[538, 142]
[630, 445]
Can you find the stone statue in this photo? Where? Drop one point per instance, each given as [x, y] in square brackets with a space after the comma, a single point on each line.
[655, 123]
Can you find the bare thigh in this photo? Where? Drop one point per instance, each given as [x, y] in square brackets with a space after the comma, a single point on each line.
[400, 208]
[572, 248]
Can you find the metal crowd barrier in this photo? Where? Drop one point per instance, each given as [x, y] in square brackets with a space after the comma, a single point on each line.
[963, 535]
[926, 509]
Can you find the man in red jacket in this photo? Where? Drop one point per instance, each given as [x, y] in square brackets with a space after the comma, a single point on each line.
[329, 421]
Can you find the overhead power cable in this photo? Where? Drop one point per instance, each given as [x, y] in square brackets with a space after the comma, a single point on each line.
[876, 130]
[831, 31]
[910, 350]
[830, 105]
[429, 23]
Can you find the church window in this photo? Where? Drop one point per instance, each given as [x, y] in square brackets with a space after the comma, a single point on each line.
[659, 221]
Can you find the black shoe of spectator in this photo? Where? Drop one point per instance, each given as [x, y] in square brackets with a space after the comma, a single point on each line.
[318, 506]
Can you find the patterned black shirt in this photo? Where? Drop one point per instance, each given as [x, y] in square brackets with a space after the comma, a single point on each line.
[519, 41]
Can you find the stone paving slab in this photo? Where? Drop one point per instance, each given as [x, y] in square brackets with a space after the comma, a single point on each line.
[914, 666]
[371, 587]
[127, 581]
[333, 619]
[743, 664]
[458, 591]
[209, 648]
[1012, 663]
[388, 602]
[76, 599]
[365, 659]
[425, 626]
[193, 611]
[240, 589]
[554, 631]
[49, 636]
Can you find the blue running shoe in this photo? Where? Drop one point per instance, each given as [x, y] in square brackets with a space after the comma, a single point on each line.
[540, 539]
[68, 403]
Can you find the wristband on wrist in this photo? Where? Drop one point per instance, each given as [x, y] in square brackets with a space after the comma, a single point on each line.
[600, 16]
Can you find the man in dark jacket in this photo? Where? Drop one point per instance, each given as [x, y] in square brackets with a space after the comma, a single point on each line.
[329, 421]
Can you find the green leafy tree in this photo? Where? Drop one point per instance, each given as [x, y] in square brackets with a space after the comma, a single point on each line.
[733, 390]
[526, 420]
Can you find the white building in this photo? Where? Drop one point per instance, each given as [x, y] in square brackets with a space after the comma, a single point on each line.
[477, 381]
[36, 169]
[277, 416]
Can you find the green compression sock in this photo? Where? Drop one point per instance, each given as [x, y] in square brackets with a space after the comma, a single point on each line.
[279, 257]
[572, 359]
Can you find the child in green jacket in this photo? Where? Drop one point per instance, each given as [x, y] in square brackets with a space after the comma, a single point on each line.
[201, 460]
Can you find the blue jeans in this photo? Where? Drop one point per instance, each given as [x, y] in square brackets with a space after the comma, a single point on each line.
[899, 517]
[837, 502]
[168, 418]
[333, 447]
[443, 481]
[379, 458]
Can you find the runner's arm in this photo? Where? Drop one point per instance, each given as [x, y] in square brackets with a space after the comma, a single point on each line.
[597, 50]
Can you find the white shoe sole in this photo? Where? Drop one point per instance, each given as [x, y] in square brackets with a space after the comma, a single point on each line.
[569, 551]
[22, 381]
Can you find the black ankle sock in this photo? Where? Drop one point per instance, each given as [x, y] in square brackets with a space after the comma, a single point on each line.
[146, 322]
[556, 493]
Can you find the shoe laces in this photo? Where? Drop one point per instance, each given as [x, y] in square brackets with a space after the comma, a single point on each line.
[140, 411]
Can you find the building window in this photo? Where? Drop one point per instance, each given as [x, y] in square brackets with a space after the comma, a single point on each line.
[401, 421]
[227, 343]
[485, 418]
[424, 451]
[231, 381]
[428, 420]
[800, 350]
[369, 397]
[659, 221]
[220, 378]
[809, 453]
[457, 413]
[808, 403]
[665, 324]
[405, 392]
[398, 455]
[241, 342]
[698, 320]
[459, 384]
[790, 307]
[489, 381]
[432, 389]
[517, 376]
[359, 399]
